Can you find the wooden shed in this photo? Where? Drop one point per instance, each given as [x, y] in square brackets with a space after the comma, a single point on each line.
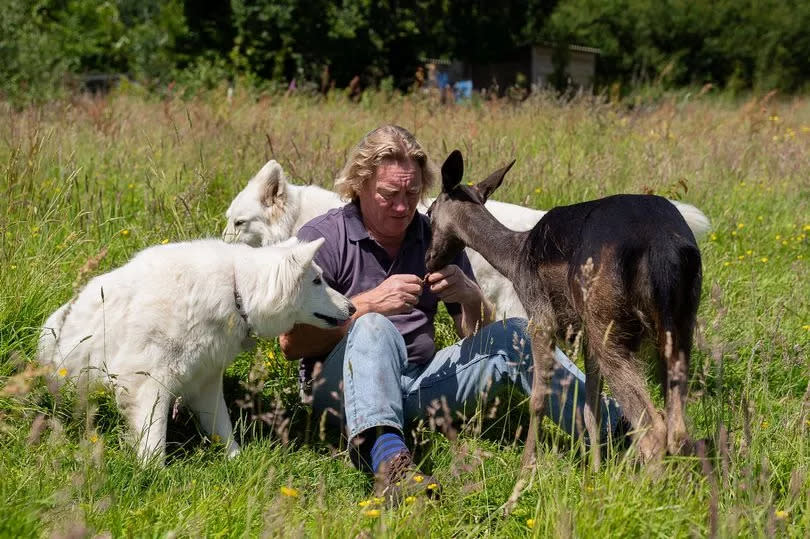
[580, 64]
[536, 63]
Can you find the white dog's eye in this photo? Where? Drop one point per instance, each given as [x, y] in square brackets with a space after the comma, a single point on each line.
[316, 281]
[239, 222]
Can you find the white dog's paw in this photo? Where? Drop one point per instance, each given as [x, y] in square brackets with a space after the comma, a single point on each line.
[233, 450]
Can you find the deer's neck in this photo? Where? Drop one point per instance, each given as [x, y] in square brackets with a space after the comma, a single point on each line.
[499, 245]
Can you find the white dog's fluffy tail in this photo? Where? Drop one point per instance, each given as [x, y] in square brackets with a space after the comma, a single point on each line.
[695, 218]
[48, 349]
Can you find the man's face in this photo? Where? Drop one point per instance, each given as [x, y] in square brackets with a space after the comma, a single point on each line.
[389, 199]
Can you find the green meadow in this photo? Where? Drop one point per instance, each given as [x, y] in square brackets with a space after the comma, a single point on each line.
[85, 183]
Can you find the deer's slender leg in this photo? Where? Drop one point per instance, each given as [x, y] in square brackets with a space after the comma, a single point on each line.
[593, 392]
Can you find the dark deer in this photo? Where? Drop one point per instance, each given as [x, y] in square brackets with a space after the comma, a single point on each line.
[620, 269]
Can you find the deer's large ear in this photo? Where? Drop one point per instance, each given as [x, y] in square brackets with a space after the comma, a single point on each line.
[486, 187]
[272, 181]
[452, 171]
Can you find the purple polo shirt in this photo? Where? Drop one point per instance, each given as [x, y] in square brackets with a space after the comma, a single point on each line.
[353, 262]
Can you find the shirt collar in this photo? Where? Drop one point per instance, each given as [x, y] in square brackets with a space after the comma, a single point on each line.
[356, 230]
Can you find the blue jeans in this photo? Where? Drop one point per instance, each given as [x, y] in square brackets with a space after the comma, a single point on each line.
[367, 381]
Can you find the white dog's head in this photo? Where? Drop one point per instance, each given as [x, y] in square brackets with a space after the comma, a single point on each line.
[296, 293]
[257, 215]
[318, 304]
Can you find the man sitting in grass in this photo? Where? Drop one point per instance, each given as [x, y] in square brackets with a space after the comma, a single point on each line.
[381, 371]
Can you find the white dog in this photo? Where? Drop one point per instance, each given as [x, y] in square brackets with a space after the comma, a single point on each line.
[270, 209]
[166, 324]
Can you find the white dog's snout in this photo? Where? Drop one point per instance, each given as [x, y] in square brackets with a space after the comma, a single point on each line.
[229, 235]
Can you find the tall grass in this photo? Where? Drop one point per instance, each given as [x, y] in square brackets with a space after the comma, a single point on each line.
[88, 182]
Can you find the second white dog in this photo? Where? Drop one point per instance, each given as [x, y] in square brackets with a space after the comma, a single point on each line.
[166, 324]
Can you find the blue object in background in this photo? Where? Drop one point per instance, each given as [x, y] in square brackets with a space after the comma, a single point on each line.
[463, 89]
[442, 80]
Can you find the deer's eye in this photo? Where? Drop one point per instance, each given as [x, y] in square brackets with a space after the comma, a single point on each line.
[317, 281]
[239, 222]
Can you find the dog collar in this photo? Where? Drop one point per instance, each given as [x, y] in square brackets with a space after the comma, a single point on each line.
[240, 307]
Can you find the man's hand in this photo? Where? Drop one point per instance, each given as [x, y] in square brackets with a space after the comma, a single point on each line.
[398, 294]
[453, 286]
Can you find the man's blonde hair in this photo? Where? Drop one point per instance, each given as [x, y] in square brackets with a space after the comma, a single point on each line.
[386, 142]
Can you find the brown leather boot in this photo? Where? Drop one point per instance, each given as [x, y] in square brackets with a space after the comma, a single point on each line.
[398, 479]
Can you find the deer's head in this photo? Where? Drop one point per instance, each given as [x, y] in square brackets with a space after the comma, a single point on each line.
[452, 211]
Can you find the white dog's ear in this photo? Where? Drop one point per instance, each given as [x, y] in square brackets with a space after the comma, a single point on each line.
[272, 181]
[289, 242]
[303, 253]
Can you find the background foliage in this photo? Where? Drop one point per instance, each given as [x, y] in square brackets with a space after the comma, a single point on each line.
[734, 44]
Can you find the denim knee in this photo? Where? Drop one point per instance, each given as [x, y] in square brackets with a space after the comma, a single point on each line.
[374, 324]
[512, 336]
[375, 333]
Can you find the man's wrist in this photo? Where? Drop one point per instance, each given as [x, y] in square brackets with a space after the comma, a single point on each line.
[475, 296]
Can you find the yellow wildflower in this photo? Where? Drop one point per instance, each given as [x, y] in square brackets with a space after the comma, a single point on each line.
[418, 478]
[433, 486]
[778, 237]
[165, 241]
[764, 424]
[749, 252]
[726, 263]
[289, 492]
[377, 500]
[410, 499]
[759, 218]
[784, 242]
[806, 327]
[781, 515]
[537, 190]
[740, 225]
[775, 118]
[530, 523]
[62, 372]
[806, 129]
[372, 513]
[806, 228]
[125, 232]
[364, 503]
[713, 237]
[93, 438]
[763, 259]
[741, 257]
[13, 266]
[733, 232]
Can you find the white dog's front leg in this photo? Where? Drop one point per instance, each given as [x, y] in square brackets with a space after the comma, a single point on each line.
[210, 407]
[148, 414]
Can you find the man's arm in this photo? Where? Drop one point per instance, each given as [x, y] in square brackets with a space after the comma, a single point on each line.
[453, 286]
[395, 295]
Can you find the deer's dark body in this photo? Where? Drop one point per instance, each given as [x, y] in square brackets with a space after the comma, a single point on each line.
[620, 269]
[637, 245]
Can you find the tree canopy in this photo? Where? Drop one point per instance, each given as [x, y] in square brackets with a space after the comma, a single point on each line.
[739, 44]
